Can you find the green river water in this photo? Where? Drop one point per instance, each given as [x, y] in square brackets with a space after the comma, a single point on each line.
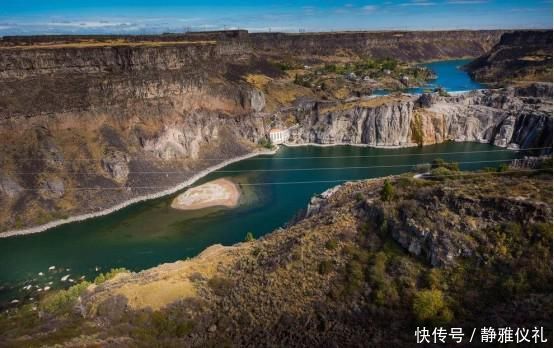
[149, 233]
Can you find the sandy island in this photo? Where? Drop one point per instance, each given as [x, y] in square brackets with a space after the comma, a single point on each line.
[220, 192]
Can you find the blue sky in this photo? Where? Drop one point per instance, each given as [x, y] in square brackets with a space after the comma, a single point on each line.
[155, 16]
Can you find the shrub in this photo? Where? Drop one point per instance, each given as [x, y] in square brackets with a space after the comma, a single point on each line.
[503, 167]
[102, 277]
[265, 142]
[330, 68]
[387, 192]
[359, 197]
[423, 168]
[440, 163]
[331, 244]
[325, 267]
[63, 299]
[442, 92]
[389, 64]
[430, 306]
[442, 173]
[355, 276]
[249, 237]
[434, 279]
[220, 285]
[378, 269]
[417, 130]
[285, 66]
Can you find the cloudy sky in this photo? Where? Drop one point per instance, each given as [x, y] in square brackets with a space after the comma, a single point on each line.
[18, 17]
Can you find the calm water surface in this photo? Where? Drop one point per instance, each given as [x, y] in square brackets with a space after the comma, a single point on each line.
[450, 76]
[149, 233]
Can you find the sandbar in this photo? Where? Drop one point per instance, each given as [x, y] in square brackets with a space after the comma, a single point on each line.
[220, 192]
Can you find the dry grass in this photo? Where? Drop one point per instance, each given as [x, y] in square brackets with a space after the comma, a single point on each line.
[258, 80]
[369, 103]
[158, 287]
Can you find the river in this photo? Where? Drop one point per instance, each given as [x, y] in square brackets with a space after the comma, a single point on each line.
[149, 233]
[146, 234]
[450, 77]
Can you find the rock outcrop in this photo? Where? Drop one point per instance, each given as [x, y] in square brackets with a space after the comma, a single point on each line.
[519, 56]
[500, 117]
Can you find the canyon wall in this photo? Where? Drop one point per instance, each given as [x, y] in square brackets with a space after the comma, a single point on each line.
[86, 128]
[82, 120]
[516, 117]
[402, 45]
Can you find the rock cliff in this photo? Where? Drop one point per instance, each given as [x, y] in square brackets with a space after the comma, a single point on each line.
[501, 117]
[79, 116]
[403, 45]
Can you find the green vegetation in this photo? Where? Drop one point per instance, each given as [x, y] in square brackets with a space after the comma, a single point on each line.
[440, 163]
[374, 69]
[331, 244]
[249, 237]
[430, 306]
[387, 193]
[356, 266]
[102, 277]
[61, 300]
[325, 267]
[266, 143]
[442, 92]
[442, 170]
[284, 66]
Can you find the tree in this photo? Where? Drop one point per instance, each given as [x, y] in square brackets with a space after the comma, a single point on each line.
[249, 237]
[387, 192]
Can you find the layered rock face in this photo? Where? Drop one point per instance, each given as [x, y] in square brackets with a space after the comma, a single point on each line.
[407, 46]
[501, 117]
[74, 120]
[521, 55]
[79, 117]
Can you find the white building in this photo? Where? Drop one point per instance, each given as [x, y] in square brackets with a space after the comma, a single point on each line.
[279, 136]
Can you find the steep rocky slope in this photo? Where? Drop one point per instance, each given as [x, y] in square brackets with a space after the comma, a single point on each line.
[365, 267]
[78, 115]
[519, 56]
[75, 119]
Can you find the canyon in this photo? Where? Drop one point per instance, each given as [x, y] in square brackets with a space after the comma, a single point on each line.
[88, 123]
[77, 117]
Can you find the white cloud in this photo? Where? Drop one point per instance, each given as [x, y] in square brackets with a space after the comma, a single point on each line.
[418, 3]
[467, 2]
[369, 8]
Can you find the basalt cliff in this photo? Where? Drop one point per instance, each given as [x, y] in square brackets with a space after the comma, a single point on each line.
[82, 119]
[514, 117]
